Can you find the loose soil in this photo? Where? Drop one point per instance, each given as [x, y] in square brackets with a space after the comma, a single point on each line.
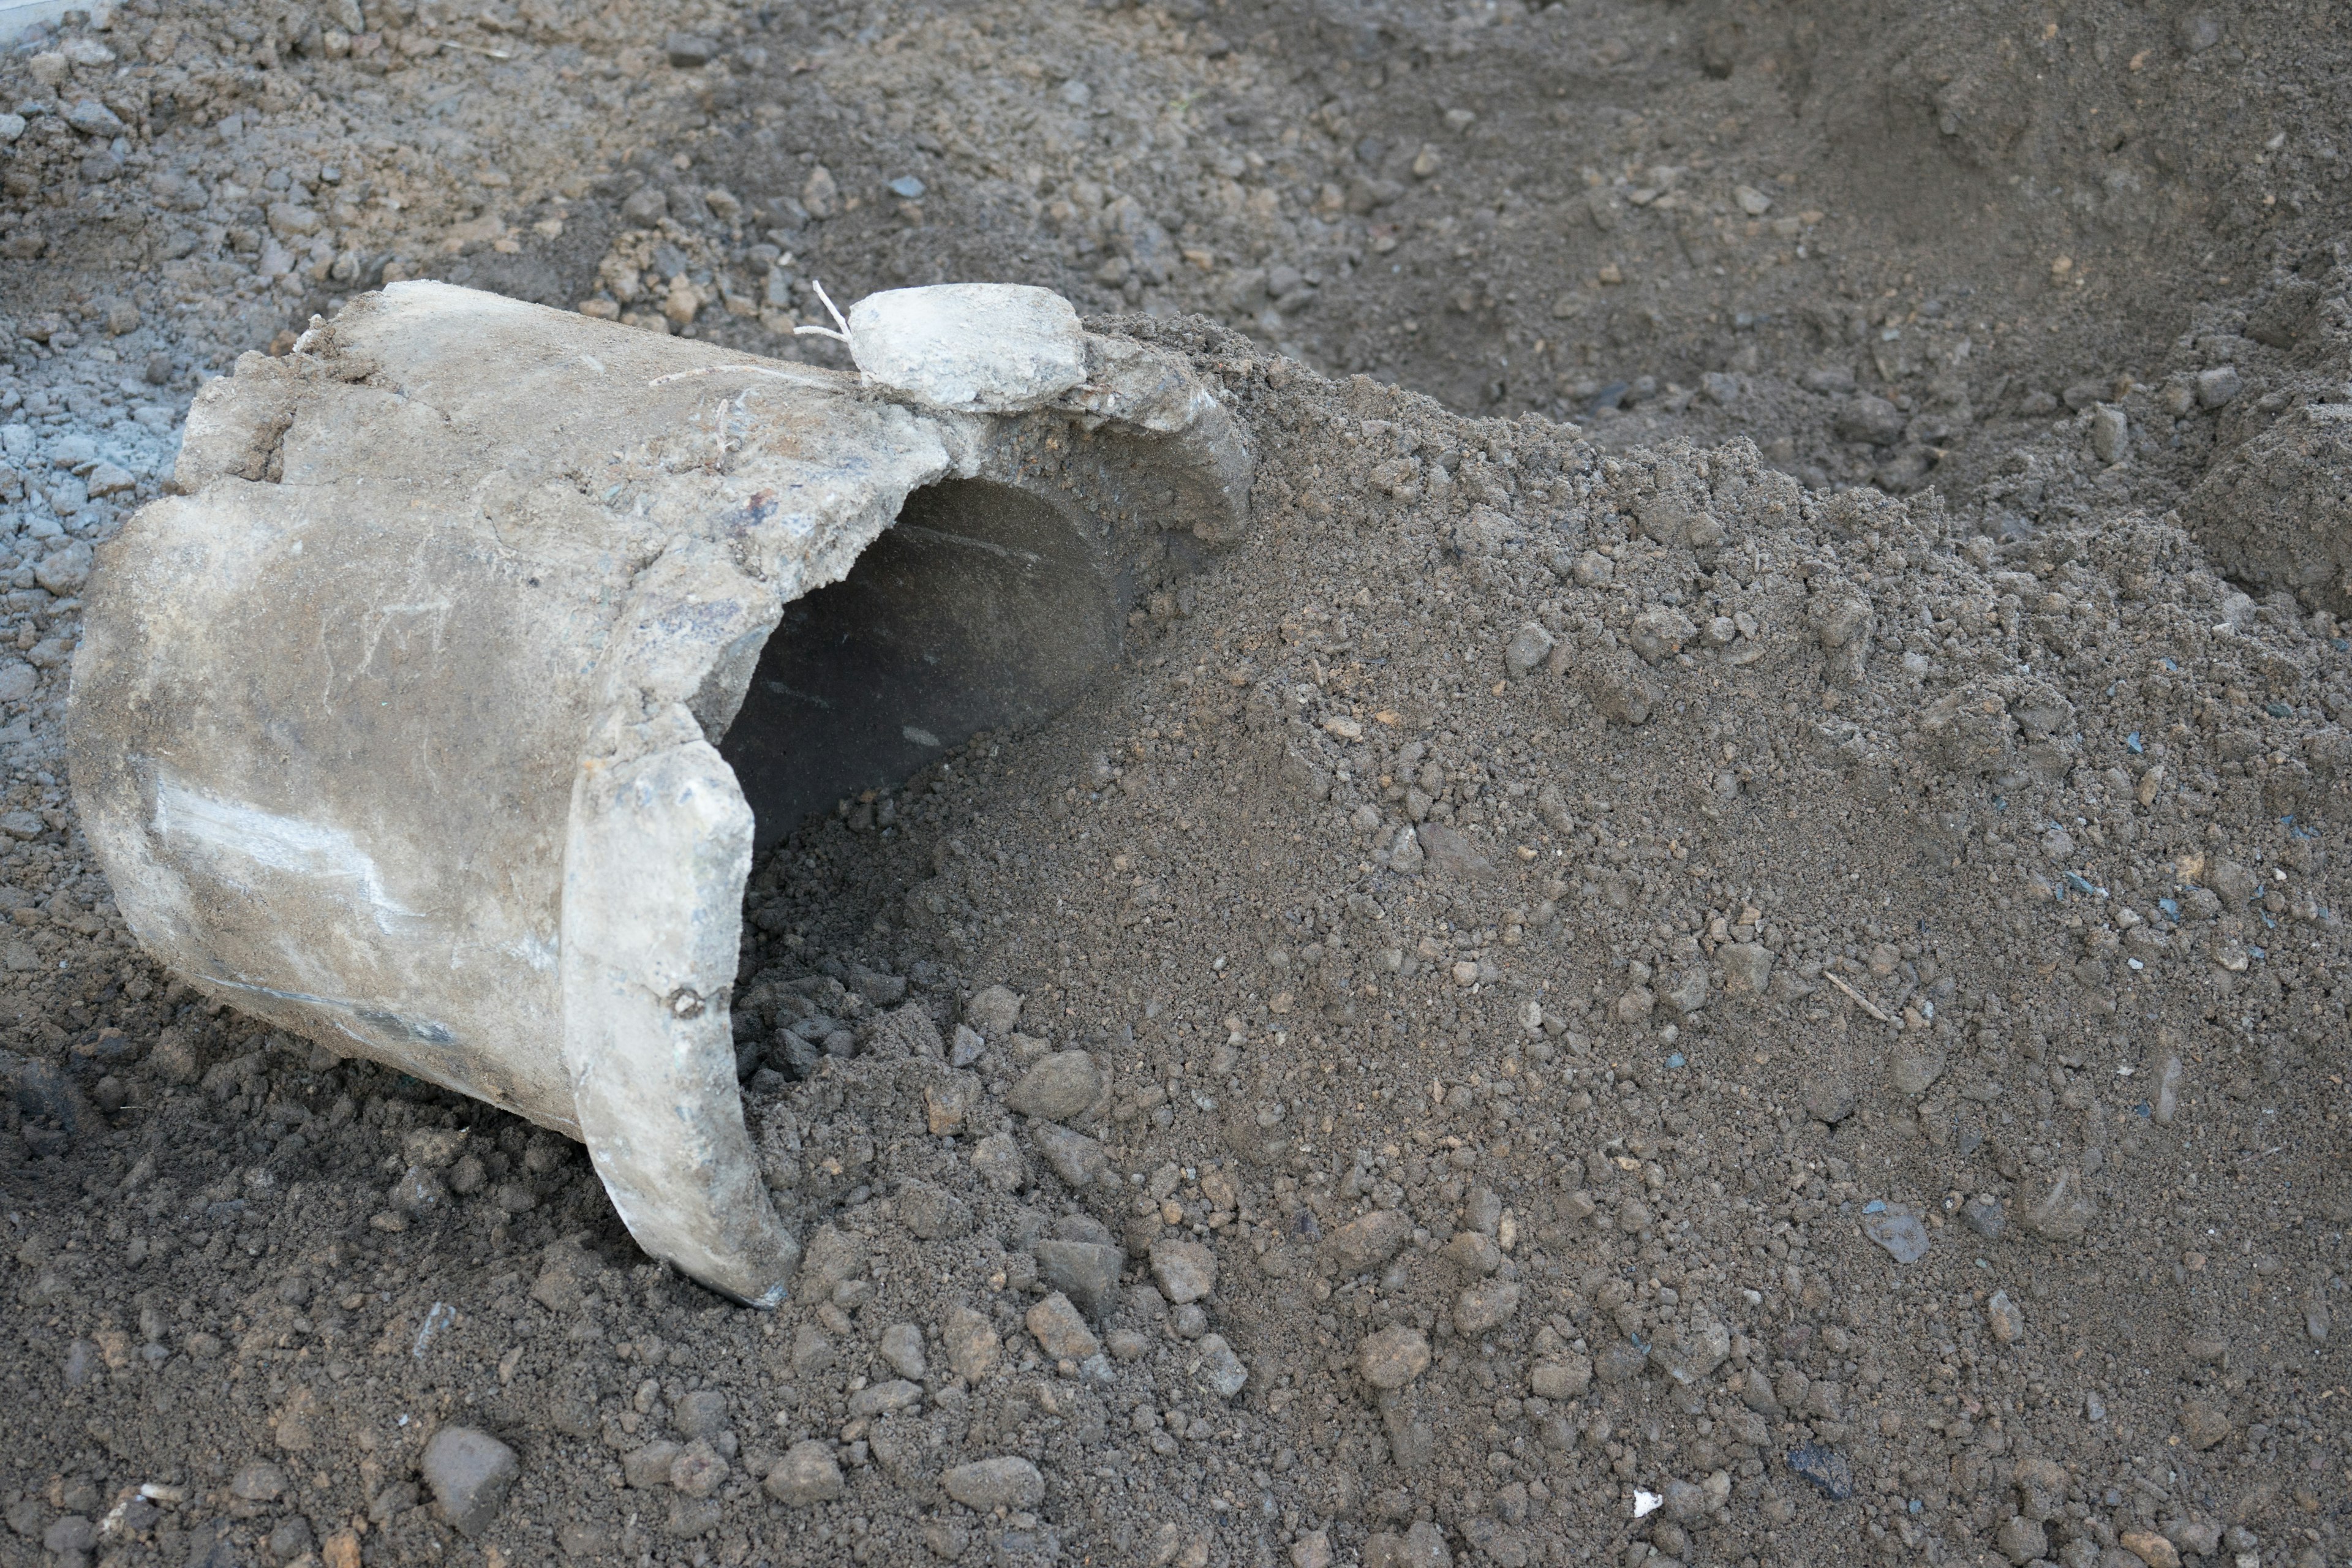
[1720, 941]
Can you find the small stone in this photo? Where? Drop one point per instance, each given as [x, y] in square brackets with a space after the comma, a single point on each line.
[1088, 1272]
[260, 1481]
[92, 118]
[1220, 1370]
[808, 1473]
[698, 1469]
[1917, 1071]
[1058, 1327]
[690, 50]
[1746, 968]
[1073, 1156]
[932, 1213]
[2217, 386]
[883, 1398]
[997, 1161]
[2168, 1089]
[902, 1347]
[1526, 650]
[1899, 1232]
[1364, 1244]
[1830, 1100]
[1424, 1546]
[1473, 1252]
[470, 1473]
[2063, 1209]
[971, 347]
[1567, 1378]
[2006, 1318]
[1057, 1087]
[994, 1012]
[971, 1341]
[1691, 1357]
[1312, 1549]
[945, 1106]
[2021, 1539]
[1392, 1357]
[2110, 434]
[647, 1468]
[1685, 1501]
[986, 1485]
[1619, 1363]
[71, 1536]
[2150, 1547]
[1985, 1217]
[701, 1414]
[2204, 1423]
[1486, 1306]
[1186, 1270]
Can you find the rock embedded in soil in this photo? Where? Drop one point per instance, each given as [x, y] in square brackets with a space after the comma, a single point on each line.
[1185, 1270]
[470, 1473]
[1057, 1087]
[806, 1475]
[986, 1485]
[1392, 1357]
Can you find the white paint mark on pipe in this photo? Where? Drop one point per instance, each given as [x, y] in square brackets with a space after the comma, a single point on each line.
[289, 844]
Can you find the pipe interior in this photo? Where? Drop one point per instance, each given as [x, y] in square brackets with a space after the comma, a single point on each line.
[981, 607]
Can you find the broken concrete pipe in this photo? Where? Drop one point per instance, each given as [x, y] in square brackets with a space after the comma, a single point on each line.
[437, 715]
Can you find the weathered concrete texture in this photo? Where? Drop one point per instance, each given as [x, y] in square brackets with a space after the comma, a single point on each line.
[400, 725]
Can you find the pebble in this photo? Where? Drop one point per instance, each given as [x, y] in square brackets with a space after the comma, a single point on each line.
[470, 1473]
[932, 1213]
[808, 1473]
[698, 1469]
[1073, 1156]
[1486, 1306]
[1364, 1244]
[2021, 1539]
[994, 1012]
[1185, 1270]
[2006, 1318]
[1057, 1087]
[647, 1467]
[986, 1485]
[1088, 1272]
[1059, 1328]
[1567, 1378]
[972, 1343]
[997, 1161]
[2203, 1424]
[1394, 1357]
[1220, 1370]
[2063, 1208]
[902, 1347]
[1899, 1232]
[702, 1413]
[1985, 1217]
[883, 1398]
[2150, 1547]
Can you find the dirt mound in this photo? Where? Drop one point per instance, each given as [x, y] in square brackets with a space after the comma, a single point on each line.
[1759, 981]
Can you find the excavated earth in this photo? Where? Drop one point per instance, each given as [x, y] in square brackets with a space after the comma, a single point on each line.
[1721, 941]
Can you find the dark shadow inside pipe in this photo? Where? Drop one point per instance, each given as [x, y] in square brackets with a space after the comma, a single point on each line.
[982, 607]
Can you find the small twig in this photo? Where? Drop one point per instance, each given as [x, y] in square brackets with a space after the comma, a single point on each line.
[1859, 999]
[834, 309]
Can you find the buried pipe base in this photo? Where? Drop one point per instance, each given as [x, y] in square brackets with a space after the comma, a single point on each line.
[437, 717]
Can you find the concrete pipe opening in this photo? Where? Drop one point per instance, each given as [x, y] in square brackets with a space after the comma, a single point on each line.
[983, 607]
[437, 716]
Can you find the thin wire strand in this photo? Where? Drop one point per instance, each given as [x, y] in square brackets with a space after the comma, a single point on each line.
[831, 309]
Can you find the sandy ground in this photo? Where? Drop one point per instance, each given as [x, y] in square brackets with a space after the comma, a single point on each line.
[1720, 941]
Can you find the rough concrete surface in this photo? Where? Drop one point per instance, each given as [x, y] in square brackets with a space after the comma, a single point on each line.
[1707, 929]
